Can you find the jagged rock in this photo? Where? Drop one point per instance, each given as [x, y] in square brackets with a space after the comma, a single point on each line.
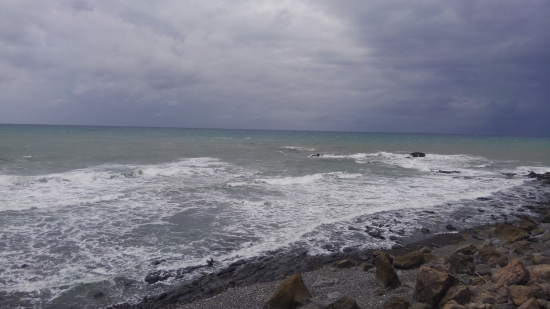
[461, 264]
[519, 294]
[431, 285]
[514, 273]
[540, 259]
[540, 272]
[483, 270]
[347, 263]
[460, 293]
[344, 302]
[510, 233]
[466, 249]
[292, 293]
[365, 266]
[385, 274]
[452, 305]
[409, 260]
[491, 257]
[531, 303]
[375, 253]
[396, 303]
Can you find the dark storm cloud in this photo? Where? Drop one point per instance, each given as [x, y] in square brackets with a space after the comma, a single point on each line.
[401, 66]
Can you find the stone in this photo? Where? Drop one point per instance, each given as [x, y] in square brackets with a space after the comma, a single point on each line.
[526, 225]
[379, 291]
[519, 294]
[417, 154]
[460, 293]
[396, 303]
[409, 260]
[491, 257]
[344, 302]
[541, 272]
[292, 293]
[98, 294]
[396, 246]
[347, 263]
[420, 306]
[375, 253]
[466, 249]
[512, 274]
[425, 249]
[509, 233]
[540, 259]
[365, 266]
[531, 303]
[334, 295]
[425, 231]
[323, 282]
[317, 302]
[450, 227]
[431, 285]
[483, 270]
[385, 274]
[157, 276]
[461, 264]
[537, 231]
[546, 219]
[311, 306]
[452, 305]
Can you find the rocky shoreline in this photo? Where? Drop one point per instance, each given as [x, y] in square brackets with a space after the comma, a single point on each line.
[271, 269]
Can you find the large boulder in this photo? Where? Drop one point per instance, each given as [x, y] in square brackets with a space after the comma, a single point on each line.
[292, 293]
[409, 260]
[509, 233]
[514, 273]
[431, 285]
[396, 303]
[344, 302]
[460, 293]
[461, 264]
[540, 272]
[385, 274]
[491, 257]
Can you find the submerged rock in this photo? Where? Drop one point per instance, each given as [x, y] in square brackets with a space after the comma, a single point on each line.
[417, 154]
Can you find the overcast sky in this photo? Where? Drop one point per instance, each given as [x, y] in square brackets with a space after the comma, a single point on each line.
[378, 66]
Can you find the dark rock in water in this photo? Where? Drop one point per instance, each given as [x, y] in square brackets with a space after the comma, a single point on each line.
[210, 262]
[450, 227]
[351, 228]
[396, 246]
[157, 276]
[401, 232]
[545, 176]
[448, 172]
[25, 265]
[347, 249]
[316, 155]
[98, 294]
[546, 219]
[376, 234]
[124, 281]
[417, 154]
[480, 210]
[483, 199]
[509, 175]
[425, 231]
[393, 237]
[157, 262]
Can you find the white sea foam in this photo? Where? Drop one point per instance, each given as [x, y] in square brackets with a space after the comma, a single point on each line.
[297, 148]
[284, 181]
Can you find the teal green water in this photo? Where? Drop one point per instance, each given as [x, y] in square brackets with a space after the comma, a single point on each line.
[86, 206]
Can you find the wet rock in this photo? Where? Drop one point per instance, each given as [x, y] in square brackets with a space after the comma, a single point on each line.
[351, 228]
[385, 274]
[466, 249]
[425, 231]
[396, 246]
[509, 233]
[409, 260]
[540, 259]
[376, 234]
[157, 262]
[347, 263]
[98, 295]
[514, 273]
[461, 264]
[452, 305]
[157, 276]
[417, 154]
[460, 293]
[292, 293]
[25, 265]
[425, 249]
[448, 172]
[365, 266]
[210, 262]
[530, 304]
[379, 292]
[491, 257]
[450, 227]
[431, 285]
[124, 281]
[519, 294]
[344, 302]
[546, 219]
[396, 303]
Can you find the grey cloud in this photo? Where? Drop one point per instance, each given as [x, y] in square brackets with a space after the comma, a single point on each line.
[399, 66]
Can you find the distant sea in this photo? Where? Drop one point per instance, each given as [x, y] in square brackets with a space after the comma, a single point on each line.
[88, 209]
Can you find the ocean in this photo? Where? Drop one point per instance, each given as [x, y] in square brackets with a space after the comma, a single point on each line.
[85, 210]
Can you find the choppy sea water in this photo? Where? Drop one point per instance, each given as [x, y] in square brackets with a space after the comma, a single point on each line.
[88, 209]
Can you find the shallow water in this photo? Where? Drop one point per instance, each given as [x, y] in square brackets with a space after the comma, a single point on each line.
[89, 208]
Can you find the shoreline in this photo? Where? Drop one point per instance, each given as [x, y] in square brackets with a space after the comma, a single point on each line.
[263, 270]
